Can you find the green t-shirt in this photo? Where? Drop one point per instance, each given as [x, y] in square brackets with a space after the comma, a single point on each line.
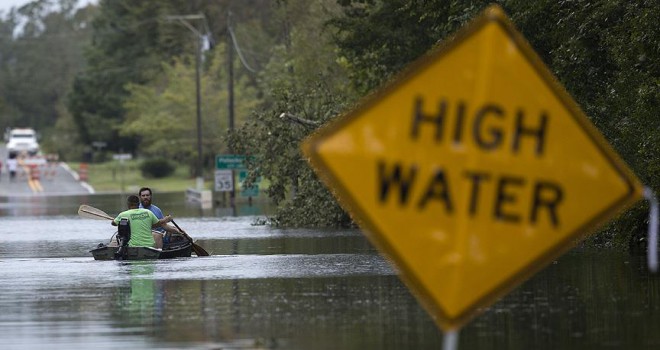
[141, 221]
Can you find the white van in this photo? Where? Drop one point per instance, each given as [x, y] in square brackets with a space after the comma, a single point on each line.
[22, 141]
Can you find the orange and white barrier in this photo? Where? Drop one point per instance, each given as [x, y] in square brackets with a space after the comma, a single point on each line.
[35, 173]
[82, 172]
[34, 168]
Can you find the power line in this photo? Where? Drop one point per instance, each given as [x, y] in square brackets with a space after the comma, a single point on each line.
[238, 49]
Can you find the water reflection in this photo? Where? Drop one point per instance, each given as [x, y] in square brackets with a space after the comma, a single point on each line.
[139, 303]
[586, 299]
[267, 288]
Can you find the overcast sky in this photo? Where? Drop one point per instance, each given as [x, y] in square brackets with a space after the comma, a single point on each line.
[5, 5]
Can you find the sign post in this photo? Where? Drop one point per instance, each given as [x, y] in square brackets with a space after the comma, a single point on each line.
[472, 170]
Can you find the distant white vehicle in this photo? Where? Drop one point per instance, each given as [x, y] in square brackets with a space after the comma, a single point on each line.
[22, 141]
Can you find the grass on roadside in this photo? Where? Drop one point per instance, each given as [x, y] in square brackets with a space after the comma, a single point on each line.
[115, 176]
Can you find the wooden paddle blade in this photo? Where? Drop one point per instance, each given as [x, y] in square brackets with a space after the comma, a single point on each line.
[90, 212]
[199, 250]
[196, 247]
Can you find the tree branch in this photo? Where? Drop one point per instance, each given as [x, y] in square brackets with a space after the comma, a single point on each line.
[299, 120]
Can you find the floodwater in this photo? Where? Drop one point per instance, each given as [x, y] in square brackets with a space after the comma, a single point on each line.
[267, 288]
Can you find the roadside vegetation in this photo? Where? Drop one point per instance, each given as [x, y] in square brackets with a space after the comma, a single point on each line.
[123, 76]
[118, 177]
[114, 176]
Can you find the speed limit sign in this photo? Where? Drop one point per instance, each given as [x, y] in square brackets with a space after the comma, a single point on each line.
[224, 180]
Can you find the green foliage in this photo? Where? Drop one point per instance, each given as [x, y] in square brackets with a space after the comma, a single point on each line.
[605, 53]
[377, 39]
[606, 56]
[312, 206]
[40, 53]
[302, 80]
[589, 52]
[128, 46]
[156, 168]
[125, 176]
[163, 113]
[133, 41]
[272, 141]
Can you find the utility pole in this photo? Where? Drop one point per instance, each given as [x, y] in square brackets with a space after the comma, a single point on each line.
[183, 19]
[198, 58]
[230, 63]
[230, 90]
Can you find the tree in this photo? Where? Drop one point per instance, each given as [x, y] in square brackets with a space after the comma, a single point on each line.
[307, 85]
[41, 51]
[128, 44]
[162, 113]
[131, 40]
[304, 87]
[377, 39]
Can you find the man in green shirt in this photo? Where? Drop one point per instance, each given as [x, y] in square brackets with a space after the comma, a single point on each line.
[141, 222]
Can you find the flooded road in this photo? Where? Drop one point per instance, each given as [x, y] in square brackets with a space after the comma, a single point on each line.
[266, 288]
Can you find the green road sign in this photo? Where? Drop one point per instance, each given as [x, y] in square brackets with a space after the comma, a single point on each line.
[229, 161]
[252, 191]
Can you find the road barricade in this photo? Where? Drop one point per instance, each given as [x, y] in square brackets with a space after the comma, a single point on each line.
[82, 172]
[35, 173]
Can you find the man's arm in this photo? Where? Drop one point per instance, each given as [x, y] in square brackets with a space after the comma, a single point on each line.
[169, 228]
[162, 222]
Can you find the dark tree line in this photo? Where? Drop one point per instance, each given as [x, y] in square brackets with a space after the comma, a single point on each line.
[605, 53]
[130, 42]
[40, 52]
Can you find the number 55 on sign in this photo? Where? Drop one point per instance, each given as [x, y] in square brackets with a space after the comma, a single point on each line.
[224, 181]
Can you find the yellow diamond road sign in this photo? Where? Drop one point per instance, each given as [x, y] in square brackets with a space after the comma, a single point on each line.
[472, 170]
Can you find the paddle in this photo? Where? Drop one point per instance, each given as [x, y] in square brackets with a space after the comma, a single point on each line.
[196, 247]
[93, 213]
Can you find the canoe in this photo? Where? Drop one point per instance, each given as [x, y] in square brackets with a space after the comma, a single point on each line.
[177, 247]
